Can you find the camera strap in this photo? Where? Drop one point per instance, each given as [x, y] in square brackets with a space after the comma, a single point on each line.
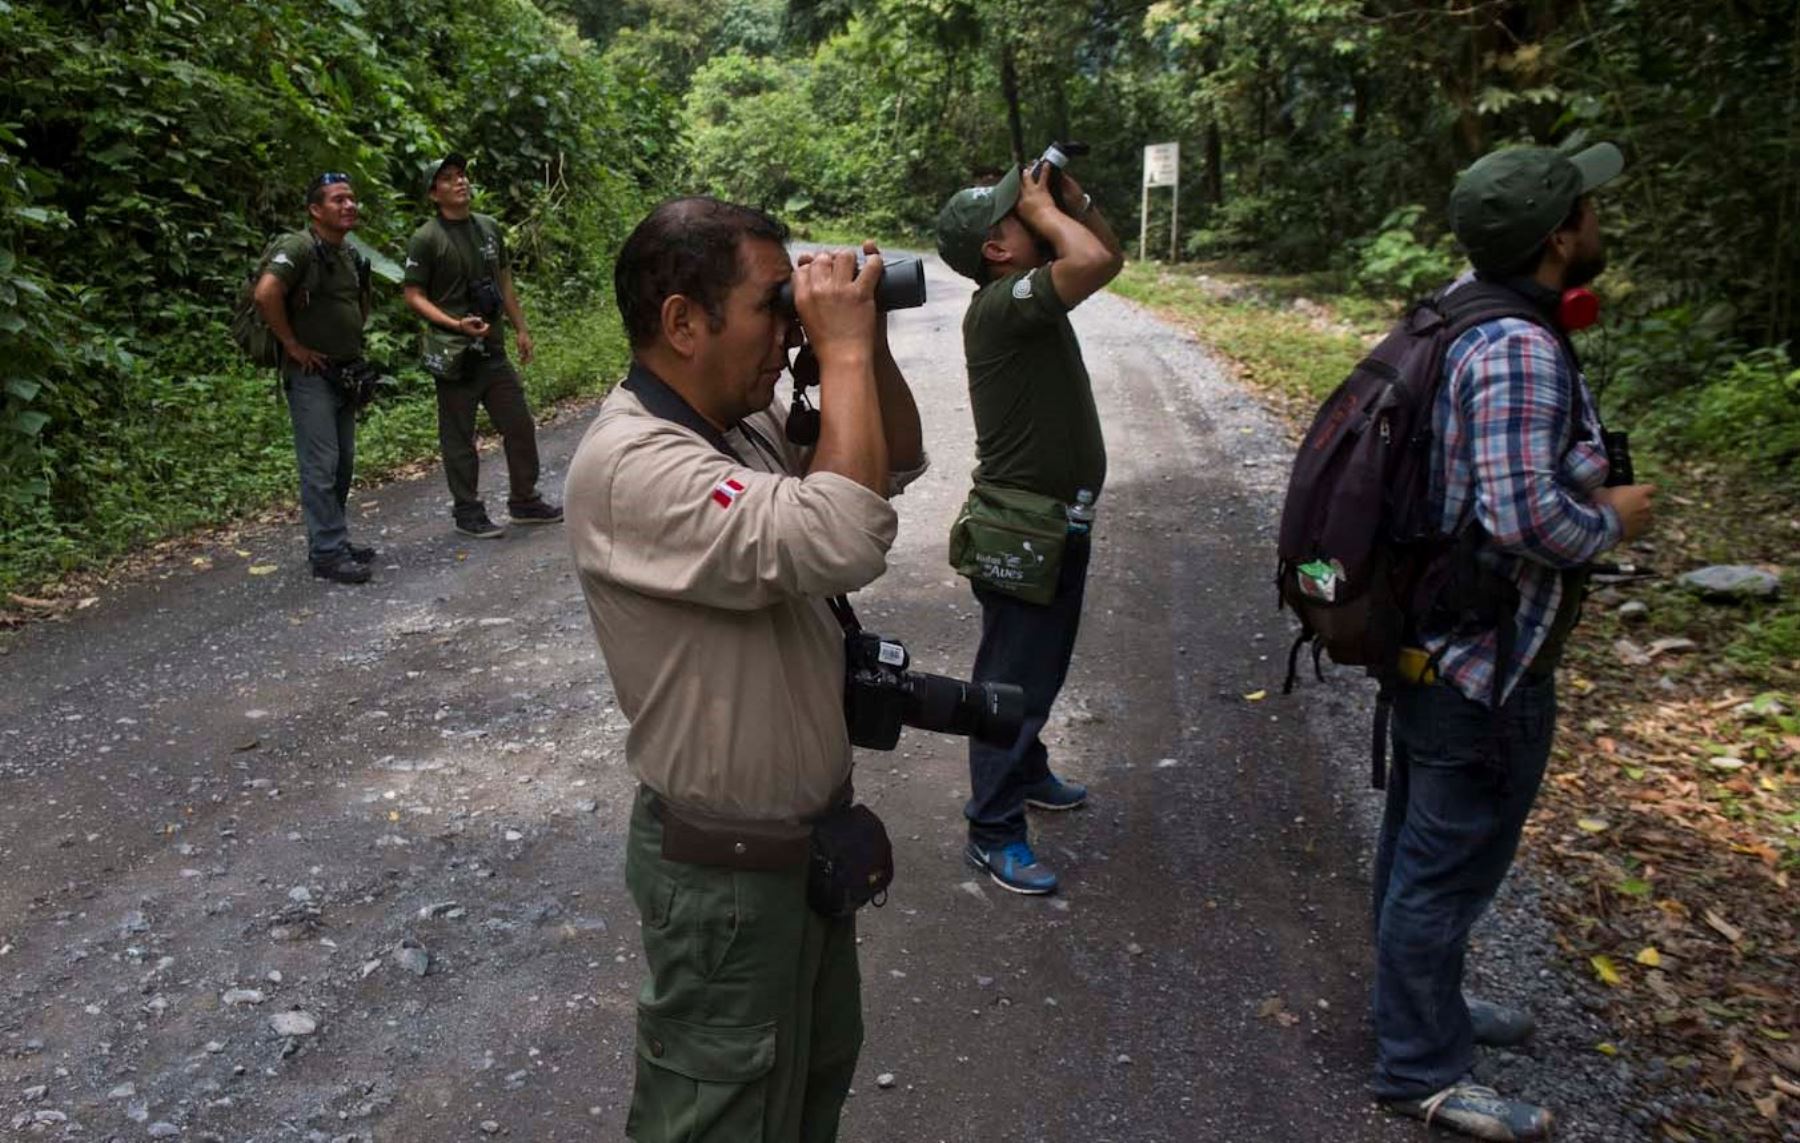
[662, 401]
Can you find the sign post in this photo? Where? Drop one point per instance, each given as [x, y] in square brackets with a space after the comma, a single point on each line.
[1162, 168]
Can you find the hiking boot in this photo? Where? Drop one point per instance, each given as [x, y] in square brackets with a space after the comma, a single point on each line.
[1497, 1026]
[1473, 1109]
[1012, 866]
[341, 569]
[539, 511]
[478, 525]
[1055, 794]
[360, 554]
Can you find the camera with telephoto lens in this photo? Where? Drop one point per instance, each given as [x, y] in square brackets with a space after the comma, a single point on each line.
[902, 285]
[881, 696]
[484, 299]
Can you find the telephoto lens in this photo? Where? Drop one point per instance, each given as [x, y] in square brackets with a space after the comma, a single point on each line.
[988, 712]
[902, 285]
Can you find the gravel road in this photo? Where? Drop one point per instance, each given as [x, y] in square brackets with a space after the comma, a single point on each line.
[293, 861]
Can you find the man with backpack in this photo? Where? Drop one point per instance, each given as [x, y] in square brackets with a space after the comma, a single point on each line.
[1517, 473]
[312, 291]
[459, 280]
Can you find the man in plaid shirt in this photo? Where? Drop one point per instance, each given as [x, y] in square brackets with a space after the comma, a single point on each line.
[1519, 456]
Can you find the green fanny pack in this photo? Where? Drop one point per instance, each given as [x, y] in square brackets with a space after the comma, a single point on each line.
[1010, 540]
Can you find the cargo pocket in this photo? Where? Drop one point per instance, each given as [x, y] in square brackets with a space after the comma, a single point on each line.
[699, 1083]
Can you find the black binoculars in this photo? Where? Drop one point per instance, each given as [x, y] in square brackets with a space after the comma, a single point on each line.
[902, 284]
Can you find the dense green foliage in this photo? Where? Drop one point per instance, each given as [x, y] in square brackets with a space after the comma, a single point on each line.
[148, 148]
[147, 152]
[1316, 134]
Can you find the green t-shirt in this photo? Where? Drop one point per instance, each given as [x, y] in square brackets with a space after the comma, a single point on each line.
[443, 258]
[324, 303]
[1036, 427]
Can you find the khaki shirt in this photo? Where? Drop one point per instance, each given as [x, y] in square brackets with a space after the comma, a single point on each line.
[706, 582]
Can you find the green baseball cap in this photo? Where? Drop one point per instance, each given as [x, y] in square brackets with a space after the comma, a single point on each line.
[429, 172]
[1509, 201]
[963, 224]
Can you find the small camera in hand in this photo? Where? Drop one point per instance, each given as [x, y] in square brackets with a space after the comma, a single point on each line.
[1618, 458]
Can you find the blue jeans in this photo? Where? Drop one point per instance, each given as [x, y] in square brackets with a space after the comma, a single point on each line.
[325, 447]
[1461, 786]
[1029, 645]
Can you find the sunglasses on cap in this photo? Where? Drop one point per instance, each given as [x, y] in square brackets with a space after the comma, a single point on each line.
[326, 179]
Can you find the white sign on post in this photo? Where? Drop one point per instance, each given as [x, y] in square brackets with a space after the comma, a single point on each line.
[1162, 168]
[1162, 164]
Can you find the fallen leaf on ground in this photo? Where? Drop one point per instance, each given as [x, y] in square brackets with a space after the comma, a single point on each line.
[1605, 970]
[1256, 696]
[1593, 825]
[261, 569]
[1649, 957]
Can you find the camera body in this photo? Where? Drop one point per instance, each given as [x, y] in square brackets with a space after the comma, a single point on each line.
[881, 696]
[360, 381]
[484, 299]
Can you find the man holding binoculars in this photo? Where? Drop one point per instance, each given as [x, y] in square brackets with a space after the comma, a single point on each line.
[459, 279]
[710, 545]
[1036, 246]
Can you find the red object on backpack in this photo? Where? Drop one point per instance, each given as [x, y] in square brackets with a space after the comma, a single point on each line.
[1578, 309]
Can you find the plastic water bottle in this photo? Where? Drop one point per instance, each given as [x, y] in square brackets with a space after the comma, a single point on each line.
[1081, 513]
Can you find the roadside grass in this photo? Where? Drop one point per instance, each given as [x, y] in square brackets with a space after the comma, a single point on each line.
[224, 449]
[1294, 355]
[1669, 825]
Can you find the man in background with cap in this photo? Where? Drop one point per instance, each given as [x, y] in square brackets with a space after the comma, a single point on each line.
[1517, 454]
[1037, 432]
[459, 279]
[314, 294]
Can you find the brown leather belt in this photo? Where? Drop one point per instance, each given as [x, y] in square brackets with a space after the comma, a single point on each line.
[693, 839]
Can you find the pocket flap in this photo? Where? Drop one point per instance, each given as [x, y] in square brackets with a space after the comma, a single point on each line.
[710, 1053]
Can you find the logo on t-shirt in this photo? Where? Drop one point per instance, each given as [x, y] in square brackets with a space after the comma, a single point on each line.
[1022, 288]
[281, 260]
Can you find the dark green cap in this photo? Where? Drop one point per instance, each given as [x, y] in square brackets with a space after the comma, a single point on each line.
[1510, 201]
[963, 224]
[430, 171]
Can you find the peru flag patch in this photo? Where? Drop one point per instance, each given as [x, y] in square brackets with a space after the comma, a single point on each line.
[726, 492]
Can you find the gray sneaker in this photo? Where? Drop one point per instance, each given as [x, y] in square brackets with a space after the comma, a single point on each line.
[1472, 1109]
[1497, 1026]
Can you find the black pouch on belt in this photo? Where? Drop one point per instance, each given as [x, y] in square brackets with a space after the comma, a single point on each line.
[852, 862]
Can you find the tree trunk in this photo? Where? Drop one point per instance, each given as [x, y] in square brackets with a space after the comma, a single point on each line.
[1009, 88]
[1215, 164]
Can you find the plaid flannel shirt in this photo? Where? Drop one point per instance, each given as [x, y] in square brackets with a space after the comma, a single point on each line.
[1509, 453]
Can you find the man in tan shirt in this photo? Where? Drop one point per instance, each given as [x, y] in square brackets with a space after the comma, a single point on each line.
[707, 545]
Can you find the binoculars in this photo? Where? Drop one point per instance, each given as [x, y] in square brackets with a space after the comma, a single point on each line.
[902, 284]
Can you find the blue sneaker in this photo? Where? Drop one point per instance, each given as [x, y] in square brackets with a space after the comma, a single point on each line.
[1055, 794]
[1012, 866]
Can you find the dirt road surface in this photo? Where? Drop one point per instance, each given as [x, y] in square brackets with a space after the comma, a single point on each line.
[234, 800]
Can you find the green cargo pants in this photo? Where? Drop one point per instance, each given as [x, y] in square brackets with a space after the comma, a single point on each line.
[751, 1021]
